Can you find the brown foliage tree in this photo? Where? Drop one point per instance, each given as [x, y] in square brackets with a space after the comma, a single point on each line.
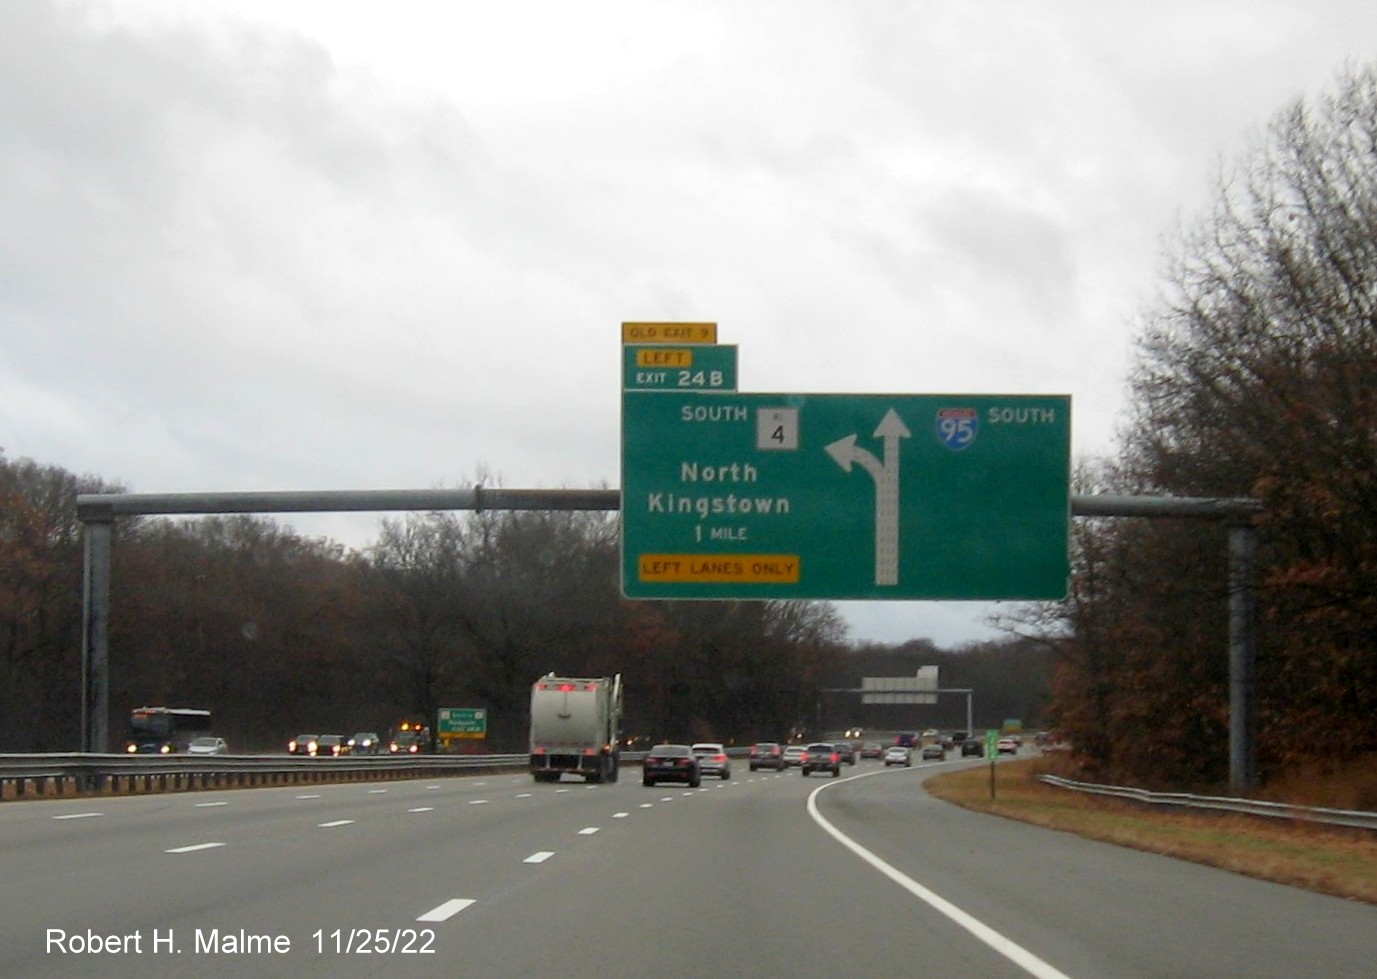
[1256, 374]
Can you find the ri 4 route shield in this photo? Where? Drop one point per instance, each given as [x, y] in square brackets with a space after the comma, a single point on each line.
[824, 496]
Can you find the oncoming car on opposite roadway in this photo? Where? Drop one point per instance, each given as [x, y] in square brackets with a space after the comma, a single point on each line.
[671, 763]
[712, 759]
[207, 746]
[302, 744]
[363, 743]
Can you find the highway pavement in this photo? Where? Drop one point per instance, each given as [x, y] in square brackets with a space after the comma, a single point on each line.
[764, 875]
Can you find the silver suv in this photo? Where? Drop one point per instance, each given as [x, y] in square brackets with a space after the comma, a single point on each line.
[712, 759]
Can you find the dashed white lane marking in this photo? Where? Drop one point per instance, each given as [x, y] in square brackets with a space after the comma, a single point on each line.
[1015, 953]
[79, 815]
[540, 856]
[647, 805]
[315, 796]
[422, 809]
[443, 912]
[667, 798]
[334, 823]
[431, 788]
[478, 802]
[620, 815]
[588, 831]
[193, 848]
[557, 791]
[524, 795]
[210, 805]
[377, 791]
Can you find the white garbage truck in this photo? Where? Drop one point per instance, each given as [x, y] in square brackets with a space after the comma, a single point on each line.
[576, 727]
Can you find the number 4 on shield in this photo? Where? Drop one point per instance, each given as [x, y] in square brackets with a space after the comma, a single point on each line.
[776, 428]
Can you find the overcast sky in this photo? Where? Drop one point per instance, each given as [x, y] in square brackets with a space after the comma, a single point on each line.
[331, 245]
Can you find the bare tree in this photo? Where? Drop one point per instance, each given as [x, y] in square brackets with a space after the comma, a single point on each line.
[1256, 374]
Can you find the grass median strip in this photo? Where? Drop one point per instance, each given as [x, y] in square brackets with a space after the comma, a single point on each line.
[1325, 859]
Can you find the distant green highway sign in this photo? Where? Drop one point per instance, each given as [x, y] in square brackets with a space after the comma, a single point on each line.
[462, 722]
[794, 496]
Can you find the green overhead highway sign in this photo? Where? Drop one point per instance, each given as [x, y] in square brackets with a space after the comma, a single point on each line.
[794, 496]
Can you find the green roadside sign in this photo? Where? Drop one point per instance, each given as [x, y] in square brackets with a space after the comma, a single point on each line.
[462, 722]
[830, 496]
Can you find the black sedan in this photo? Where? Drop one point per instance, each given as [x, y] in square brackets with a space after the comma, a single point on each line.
[671, 763]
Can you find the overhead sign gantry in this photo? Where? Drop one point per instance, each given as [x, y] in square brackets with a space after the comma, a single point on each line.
[728, 495]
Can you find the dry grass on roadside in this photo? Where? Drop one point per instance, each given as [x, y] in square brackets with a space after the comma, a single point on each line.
[1329, 860]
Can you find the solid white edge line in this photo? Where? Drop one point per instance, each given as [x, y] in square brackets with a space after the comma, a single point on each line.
[449, 909]
[194, 847]
[1012, 951]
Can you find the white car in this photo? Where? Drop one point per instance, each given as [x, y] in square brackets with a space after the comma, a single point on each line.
[898, 755]
[1007, 746]
[207, 746]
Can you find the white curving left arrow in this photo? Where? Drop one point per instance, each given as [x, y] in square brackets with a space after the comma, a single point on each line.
[845, 453]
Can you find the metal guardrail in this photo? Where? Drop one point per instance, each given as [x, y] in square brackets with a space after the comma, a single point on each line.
[84, 773]
[1357, 818]
[53, 775]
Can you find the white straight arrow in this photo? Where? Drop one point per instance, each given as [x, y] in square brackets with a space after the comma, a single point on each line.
[845, 452]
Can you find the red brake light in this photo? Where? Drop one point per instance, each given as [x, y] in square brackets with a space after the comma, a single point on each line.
[565, 687]
[720, 758]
